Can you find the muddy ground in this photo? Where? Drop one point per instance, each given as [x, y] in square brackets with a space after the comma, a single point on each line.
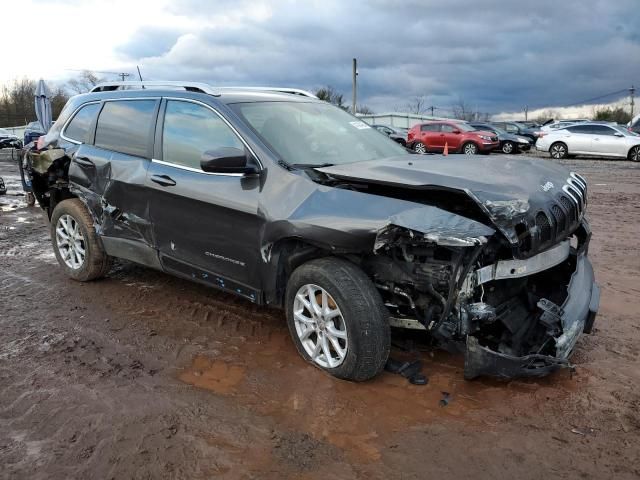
[143, 375]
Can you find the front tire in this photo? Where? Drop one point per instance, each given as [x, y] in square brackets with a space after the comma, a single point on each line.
[508, 148]
[634, 154]
[470, 149]
[337, 319]
[420, 147]
[75, 242]
[558, 150]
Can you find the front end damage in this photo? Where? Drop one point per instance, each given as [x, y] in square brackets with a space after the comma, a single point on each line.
[510, 317]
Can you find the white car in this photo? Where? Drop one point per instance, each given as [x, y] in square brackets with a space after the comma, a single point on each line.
[599, 139]
[550, 127]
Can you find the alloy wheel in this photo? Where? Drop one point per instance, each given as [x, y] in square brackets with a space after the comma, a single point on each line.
[70, 242]
[635, 154]
[320, 326]
[470, 149]
[558, 151]
[420, 148]
[507, 147]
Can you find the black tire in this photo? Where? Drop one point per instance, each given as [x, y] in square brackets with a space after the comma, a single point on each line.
[96, 263]
[365, 316]
[420, 147]
[508, 148]
[558, 150]
[470, 148]
[634, 154]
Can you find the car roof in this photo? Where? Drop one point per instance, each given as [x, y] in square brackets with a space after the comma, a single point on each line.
[226, 96]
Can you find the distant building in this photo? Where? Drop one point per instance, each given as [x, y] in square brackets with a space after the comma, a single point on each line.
[397, 119]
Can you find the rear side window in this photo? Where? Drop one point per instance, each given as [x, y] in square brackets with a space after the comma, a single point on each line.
[81, 122]
[189, 130]
[125, 126]
[430, 127]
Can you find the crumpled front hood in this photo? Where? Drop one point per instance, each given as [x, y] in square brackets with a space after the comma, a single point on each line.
[506, 187]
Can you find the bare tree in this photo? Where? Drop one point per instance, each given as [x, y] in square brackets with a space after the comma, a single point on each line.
[363, 109]
[85, 82]
[463, 111]
[331, 95]
[17, 102]
[417, 105]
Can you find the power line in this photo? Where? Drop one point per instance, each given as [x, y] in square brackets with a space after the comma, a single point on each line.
[582, 102]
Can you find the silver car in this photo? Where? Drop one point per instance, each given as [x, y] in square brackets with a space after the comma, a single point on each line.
[599, 139]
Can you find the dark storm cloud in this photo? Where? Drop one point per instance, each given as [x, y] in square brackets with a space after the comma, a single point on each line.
[496, 55]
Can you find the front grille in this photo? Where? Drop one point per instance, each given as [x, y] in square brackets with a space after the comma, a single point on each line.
[560, 219]
[544, 227]
[563, 216]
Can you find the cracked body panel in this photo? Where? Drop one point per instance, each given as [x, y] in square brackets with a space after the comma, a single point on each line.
[475, 250]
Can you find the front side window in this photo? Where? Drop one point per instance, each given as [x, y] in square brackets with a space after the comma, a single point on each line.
[190, 130]
[125, 126]
[602, 130]
[81, 122]
[447, 128]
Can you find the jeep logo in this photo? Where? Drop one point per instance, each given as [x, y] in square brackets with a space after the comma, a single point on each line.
[547, 186]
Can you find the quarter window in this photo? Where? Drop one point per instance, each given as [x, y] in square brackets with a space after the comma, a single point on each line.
[125, 126]
[81, 122]
[190, 130]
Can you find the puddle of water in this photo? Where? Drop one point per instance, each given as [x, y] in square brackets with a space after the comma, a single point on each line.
[270, 378]
[214, 375]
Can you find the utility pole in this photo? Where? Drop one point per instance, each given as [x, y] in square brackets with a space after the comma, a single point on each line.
[526, 113]
[432, 108]
[355, 85]
[632, 92]
[122, 75]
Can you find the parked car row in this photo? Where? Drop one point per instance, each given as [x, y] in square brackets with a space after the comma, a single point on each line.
[464, 137]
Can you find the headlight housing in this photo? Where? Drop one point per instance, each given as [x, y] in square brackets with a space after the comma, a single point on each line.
[485, 137]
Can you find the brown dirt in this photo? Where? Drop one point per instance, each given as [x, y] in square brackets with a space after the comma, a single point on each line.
[143, 375]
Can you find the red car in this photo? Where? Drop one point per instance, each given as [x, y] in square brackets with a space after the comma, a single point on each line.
[460, 137]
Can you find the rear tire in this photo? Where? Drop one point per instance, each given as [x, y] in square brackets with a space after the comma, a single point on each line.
[634, 154]
[420, 147]
[75, 242]
[315, 291]
[558, 150]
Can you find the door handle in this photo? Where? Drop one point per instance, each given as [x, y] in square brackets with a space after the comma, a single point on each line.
[163, 180]
[84, 161]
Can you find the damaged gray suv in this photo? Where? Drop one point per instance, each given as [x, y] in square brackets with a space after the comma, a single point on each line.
[288, 201]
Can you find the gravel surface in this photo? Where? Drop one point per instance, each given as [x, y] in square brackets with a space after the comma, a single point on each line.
[142, 375]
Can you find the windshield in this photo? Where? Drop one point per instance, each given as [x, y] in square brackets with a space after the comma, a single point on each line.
[624, 131]
[315, 133]
[465, 127]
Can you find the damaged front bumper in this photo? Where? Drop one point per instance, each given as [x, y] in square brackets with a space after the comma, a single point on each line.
[577, 315]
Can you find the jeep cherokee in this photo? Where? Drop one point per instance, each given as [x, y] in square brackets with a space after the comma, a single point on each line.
[288, 201]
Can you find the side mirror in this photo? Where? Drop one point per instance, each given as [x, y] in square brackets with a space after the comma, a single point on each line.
[618, 134]
[226, 160]
[456, 131]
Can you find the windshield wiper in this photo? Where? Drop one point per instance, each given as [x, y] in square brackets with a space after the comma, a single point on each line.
[310, 165]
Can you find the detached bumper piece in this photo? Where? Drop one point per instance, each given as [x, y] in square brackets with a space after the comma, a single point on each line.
[577, 315]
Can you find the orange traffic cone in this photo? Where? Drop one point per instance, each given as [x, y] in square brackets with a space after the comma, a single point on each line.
[446, 149]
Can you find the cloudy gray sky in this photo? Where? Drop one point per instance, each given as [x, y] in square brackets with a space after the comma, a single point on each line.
[496, 55]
